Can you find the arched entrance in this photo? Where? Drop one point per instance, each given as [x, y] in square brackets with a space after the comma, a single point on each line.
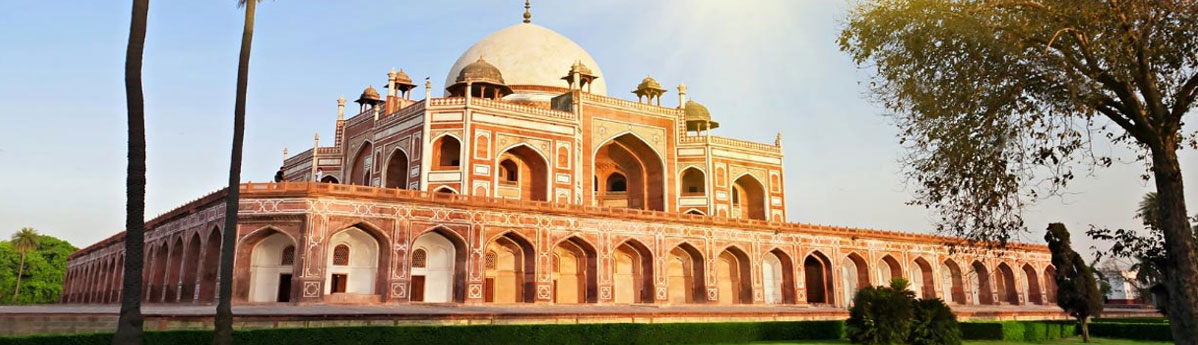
[817, 273]
[954, 284]
[889, 270]
[510, 262]
[693, 182]
[271, 267]
[1006, 284]
[628, 162]
[363, 165]
[855, 273]
[397, 171]
[1033, 284]
[173, 269]
[435, 279]
[157, 274]
[210, 267]
[633, 273]
[733, 277]
[352, 264]
[778, 278]
[685, 275]
[748, 198]
[447, 153]
[1050, 284]
[575, 272]
[523, 174]
[922, 281]
[191, 260]
[980, 282]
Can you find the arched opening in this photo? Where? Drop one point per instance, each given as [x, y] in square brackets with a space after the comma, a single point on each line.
[954, 284]
[437, 281]
[1033, 284]
[633, 273]
[447, 153]
[733, 278]
[888, 270]
[693, 182]
[778, 278]
[748, 198]
[1050, 285]
[1007, 291]
[270, 274]
[574, 272]
[191, 260]
[642, 171]
[817, 273]
[445, 190]
[353, 264]
[157, 274]
[329, 179]
[616, 184]
[855, 273]
[524, 174]
[172, 271]
[363, 165]
[397, 170]
[980, 282]
[210, 266]
[511, 264]
[685, 275]
[923, 282]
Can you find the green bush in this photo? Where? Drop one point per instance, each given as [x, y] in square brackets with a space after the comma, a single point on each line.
[1135, 331]
[600, 334]
[881, 315]
[934, 324]
[1153, 320]
[1018, 330]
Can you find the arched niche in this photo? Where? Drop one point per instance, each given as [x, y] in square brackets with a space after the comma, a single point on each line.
[270, 274]
[777, 277]
[352, 263]
[633, 273]
[855, 272]
[523, 174]
[922, 281]
[693, 182]
[1008, 292]
[397, 172]
[447, 153]
[953, 281]
[510, 264]
[817, 278]
[685, 274]
[575, 272]
[360, 173]
[733, 277]
[1034, 294]
[748, 198]
[641, 169]
[441, 277]
[980, 284]
[888, 270]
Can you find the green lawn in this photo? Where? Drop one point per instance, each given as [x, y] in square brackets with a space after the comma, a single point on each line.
[1074, 340]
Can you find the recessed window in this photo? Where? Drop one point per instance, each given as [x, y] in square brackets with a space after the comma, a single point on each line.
[419, 258]
[288, 256]
[617, 183]
[341, 255]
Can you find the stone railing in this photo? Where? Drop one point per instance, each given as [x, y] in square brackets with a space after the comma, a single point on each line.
[649, 108]
[731, 143]
[447, 101]
[327, 150]
[523, 109]
[304, 189]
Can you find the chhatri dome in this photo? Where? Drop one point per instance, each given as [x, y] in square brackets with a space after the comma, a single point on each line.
[531, 58]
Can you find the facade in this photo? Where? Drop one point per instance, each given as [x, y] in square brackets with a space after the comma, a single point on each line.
[526, 183]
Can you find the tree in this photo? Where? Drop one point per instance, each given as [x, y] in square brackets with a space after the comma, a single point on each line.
[23, 241]
[129, 324]
[43, 273]
[1077, 290]
[224, 308]
[1146, 252]
[999, 101]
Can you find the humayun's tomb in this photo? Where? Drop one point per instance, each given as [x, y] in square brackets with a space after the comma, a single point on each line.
[520, 180]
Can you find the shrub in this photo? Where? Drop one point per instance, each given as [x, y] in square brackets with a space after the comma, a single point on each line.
[881, 315]
[934, 324]
[1136, 331]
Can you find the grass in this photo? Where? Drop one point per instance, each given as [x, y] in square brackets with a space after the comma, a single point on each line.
[1074, 340]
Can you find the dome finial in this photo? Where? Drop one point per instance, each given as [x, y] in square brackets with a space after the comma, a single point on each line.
[527, 14]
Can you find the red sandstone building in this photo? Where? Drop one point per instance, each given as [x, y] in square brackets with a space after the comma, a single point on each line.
[526, 183]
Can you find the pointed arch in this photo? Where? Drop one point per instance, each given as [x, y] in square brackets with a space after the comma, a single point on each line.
[953, 280]
[817, 276]
[923, 280]
[191, 261]
[366, 270]
[1008, 292]
[639, 163]
[1050, 284]
[360, 173]
[692, 182]
[173, 268]
[575, 274]
[447, 152]
[529, 166]
[854, 271]
[748, 200]
[1034, 295]
[889, 270]
[443, 279]
[685, 274]
[633, 273]
[734, 278]
[396, 173]
[210, 266]
[777, 276]
[512, 276]
[981, 284]
[267, 272]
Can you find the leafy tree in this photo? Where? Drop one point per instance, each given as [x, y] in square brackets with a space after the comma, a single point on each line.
[23, 241]
[1146, 252]
[129, 324]
[43, 273]
[881, 315]
[998, 103]
[224, 308]
[1077, 290]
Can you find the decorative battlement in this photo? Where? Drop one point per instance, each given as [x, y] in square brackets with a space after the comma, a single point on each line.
[621, 103]
[734, 143]
[523, 109]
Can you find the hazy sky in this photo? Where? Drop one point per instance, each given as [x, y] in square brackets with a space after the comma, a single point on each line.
[760, 66]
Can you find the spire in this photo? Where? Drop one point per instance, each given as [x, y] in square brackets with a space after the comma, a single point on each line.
[527, 14]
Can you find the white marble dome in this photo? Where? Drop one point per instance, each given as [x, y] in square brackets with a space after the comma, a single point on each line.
[529, 54]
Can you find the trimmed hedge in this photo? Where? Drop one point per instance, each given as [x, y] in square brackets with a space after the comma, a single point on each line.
[1151, 320]
[599, 334]
[1018, 330]
[1135, 331]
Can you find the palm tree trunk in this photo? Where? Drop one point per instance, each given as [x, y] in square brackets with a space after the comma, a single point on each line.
[224, 309]
[1181, 276]
[20, 271]
[129, 325]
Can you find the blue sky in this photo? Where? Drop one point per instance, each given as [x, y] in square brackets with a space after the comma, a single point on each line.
[761, 67]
